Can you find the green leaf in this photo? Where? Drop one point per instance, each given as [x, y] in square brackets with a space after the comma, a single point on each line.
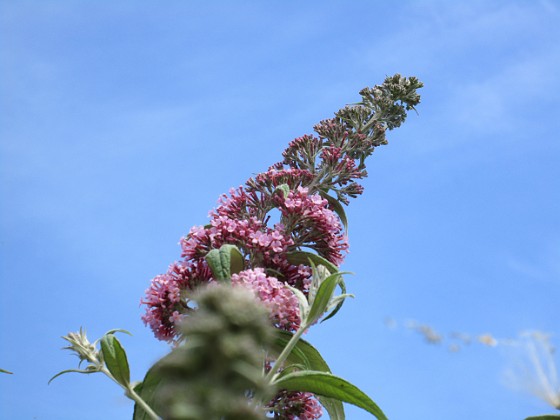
[337, 208]
[115, 359]
[215, 264]
[327, 385]
[334, 407]
[284, 189]
[237, 263]
[303, 257]
[225, 261]
[116, 330]
[545, 417]
[342, 286]
[6, 371]
[147, 390]
[304, 354]
[322, 298]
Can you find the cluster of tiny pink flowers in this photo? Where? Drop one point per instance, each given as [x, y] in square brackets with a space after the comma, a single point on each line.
[165, 304]
[296, 406]
[301, 151]
[251, 236]
[314, 225]
[309, 223]
[282, 303]
[240, 204]
[277, 175]
[258, 242]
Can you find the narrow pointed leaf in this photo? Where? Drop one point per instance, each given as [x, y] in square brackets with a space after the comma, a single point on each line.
[337, 208]
[116, 330]
[71, 370]
[115, 359]
[303, 257]
[327, 385]
[545, 417]
[342, 286]
[6, 371]
[322, 298]
[302, 302]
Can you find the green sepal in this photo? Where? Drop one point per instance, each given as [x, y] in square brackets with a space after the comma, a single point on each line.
[225, 261]
[303, 257]
[115, 359]
[337, 208]
[325, 384]
[6, 371]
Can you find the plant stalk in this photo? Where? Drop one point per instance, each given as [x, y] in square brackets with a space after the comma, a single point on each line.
[130, 393]
[285, 353]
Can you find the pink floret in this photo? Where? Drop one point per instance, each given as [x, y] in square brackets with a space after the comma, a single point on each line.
[281, 301]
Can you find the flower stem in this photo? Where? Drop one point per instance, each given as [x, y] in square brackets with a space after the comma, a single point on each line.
[130, 393]
[285, 353]
[134, 396]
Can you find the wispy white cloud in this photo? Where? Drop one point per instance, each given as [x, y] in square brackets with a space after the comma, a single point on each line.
[488, 65]
[502, 101]
[534, 367]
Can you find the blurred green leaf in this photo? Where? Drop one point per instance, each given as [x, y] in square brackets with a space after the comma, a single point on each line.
[327, 385]
[545, 417]
[147, 390]
[115, 359]
[6, 371]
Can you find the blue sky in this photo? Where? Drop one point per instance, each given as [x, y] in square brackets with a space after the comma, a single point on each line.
[122, 122]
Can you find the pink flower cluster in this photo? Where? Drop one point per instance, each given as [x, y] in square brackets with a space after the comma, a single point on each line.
[240, 220]
[165, 301]
[314, 225]
[296, 406]
[282, 303]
